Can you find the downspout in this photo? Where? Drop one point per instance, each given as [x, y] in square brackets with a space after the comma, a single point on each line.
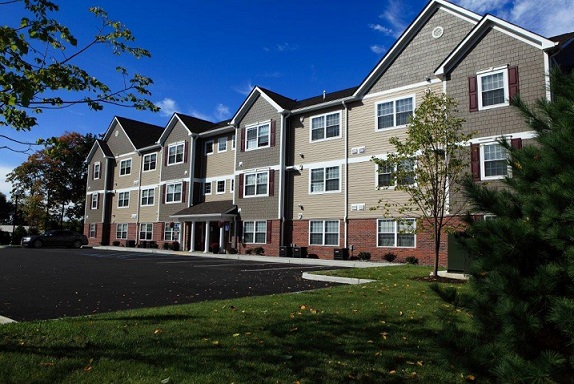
[234, 183]
[192, 145]
[346, 198]
[140, 196]
[281, 210]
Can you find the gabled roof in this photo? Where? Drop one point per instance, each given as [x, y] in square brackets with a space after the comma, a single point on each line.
[104, 148]
[564, 39]
[487, 23]
[408, 35]
[278, 102]
[325, 98]
[212, 208]
[192, 124]
[140, 134]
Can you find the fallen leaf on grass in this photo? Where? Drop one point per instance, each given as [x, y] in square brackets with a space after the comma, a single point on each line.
[89, 367]
[236, 334]
[157, 331]
[48, 364]
[166, 381]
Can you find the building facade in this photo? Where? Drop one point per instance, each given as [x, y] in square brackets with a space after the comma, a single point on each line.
[284, 172]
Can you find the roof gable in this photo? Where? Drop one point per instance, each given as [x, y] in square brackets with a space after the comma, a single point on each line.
[278, 102]
[193, 125]
[139, 134]
[101, 145]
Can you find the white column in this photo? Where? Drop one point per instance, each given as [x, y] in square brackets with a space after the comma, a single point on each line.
[192, 234]
[221, 237]
[207, 227]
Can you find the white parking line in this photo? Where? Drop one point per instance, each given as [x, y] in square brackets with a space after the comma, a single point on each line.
[276, 269]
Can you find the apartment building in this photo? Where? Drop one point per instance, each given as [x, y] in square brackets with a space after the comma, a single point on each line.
[287, 172]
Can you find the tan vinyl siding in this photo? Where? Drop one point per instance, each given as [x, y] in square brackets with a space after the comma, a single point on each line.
[130, 180]
[424, 53]
[218, 163]
[227, 195]
[179, 134]
[118, 142]
[124, 214]
[148, 214]
[98, 184]
[151, 177]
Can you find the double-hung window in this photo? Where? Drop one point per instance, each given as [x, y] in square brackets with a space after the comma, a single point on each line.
[175, 153]
[325, 126]
[148, 196]
[394, 113]
[146, 231]
[125, 167]
[96, 170]
[387, 177]
[257, 136]
[493, 89]
[325, 180]
[121, 231]
[95, 200]
[173, 193]
[222, 144]
[255, 232]
[92, 230]
[399, 233]
[494, 161]
[207, 188]
[220, 186]
[171, 231]
[324, 232]
[123, 199]
[256, 184]
[209, 147]
[149, 162]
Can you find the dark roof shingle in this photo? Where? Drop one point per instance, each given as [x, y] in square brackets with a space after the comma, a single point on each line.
[141, 134]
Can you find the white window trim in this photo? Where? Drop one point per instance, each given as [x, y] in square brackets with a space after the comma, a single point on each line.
[394, 185]
[232, 185]
[256, 126]
[325, 138]
[245, 185]
[167, 185]
[95, 229]
[120, 167]
[150, 232]
[166, 226]
[126, 232]
[324, 233]
[482, 167]
[143, 163]
[493, 71]
[175, 145]
[141, 197]
[119, 199]
[212, 147]
[233, 141]
[396, 232]
[394, 101]
[325, 180]
[224, 187]
[220, 140]
[94, 202]
[99, 165]
[254, 231]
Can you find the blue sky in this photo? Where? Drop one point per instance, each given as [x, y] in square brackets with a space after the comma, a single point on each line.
[207, 55]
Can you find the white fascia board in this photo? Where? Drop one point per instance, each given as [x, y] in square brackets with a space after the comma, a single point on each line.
[324, 105]
[249, 102]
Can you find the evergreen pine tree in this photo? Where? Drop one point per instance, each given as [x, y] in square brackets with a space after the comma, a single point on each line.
[522, 275]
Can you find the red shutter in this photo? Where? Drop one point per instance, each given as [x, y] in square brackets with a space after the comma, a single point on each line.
[472, 94]
[269, 232]
[242, 139]
[241, 185]
[165, 152]
[512, 82]
[475, 161]
[185, 149]
[93, 170]
[516, 143]
[271, 182]
[272, 138]
[183, 191]
[163, 193]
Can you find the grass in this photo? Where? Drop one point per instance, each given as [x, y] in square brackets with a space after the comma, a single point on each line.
[378, 332]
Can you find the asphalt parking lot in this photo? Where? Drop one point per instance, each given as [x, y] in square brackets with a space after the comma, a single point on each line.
[39, 284]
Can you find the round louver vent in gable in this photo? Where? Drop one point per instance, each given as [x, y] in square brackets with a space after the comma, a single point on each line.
[437, 32]
[116, 133]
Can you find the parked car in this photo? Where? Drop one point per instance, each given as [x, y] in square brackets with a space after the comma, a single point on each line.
[55, 238]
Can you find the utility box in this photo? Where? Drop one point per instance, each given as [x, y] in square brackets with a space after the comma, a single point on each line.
[341, 254]
[285, 251]
[458, 258]
[300, 252]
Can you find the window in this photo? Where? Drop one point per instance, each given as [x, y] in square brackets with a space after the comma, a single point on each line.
[394, 113]
[233, 142]
[96, 171]
[255, 232]
[149, 162]
[146, 231]
[324, 232]
[92, 230]
[207, 188]
[175, 153]
[123, 199]
[232, 185]
[125, 167]
[220, 186]
[173, 193]
[171, 231]
[257, 136]
[148, 196]
[385, 174]
[209, 147]
[325, 180]
[396, 233]
[325, 127]
[407, 167]
[222, 144]
[121, 231]
[95, 200]
[494, 161]
[256, 184]
[493, 89]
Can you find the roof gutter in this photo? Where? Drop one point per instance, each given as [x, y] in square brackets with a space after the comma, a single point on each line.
[325, 105]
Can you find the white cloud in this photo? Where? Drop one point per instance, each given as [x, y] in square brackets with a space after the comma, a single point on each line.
[378, 49]
[381, 28]
[199, 115]
[483, 6]
[392, 16]
[286, 47]
[221, 112]
[5, 187]
[244, 90]
[167, 106]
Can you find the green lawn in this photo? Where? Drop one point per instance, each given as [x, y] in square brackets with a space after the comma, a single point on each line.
[378, 332]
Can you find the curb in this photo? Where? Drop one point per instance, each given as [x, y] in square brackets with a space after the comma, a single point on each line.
[335, 279]
[5, 320]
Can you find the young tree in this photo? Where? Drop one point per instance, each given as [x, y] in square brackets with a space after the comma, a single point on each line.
[6, 210]
[38, 70]
[427, 165]
[522, 287]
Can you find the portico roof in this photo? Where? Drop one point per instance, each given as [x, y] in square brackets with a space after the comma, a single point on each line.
[212, 210]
